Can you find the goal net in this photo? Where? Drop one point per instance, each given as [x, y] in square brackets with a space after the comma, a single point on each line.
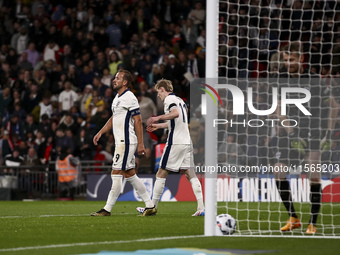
[269, 112]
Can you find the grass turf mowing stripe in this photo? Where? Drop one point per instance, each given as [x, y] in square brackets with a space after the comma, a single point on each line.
[150, 240]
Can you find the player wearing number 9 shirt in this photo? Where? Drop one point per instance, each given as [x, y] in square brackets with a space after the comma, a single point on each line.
[124, 121]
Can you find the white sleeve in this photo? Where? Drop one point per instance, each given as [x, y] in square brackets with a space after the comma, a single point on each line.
[133, 106]
[170, 103]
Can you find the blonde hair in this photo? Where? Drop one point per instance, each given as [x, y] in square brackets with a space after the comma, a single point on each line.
[166, 84]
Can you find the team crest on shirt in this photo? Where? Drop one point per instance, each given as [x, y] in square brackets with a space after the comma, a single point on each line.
[118, 103]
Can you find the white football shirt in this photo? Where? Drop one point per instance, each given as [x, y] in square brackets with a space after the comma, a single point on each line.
[124, 107]
[178, 127]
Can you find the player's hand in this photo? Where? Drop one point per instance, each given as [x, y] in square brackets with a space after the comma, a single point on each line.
[297, 143]
[326, 142]
[152, 127]
[151, 120]
[141, 150]
[96, 138]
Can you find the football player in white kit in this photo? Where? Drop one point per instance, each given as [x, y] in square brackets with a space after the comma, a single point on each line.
[178, 152]
[124, 121]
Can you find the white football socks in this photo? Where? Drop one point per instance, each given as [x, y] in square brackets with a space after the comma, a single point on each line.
[158, 190]
[114, 192]
[139, 186]
[197, 189]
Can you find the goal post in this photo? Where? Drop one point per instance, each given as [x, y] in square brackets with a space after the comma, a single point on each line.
[211, 135]
[246, 43]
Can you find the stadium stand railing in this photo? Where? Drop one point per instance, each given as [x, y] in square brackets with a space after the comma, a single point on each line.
[21, 182]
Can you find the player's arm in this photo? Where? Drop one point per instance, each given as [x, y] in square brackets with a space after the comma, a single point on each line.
[105, 128]
[156, 126]
[139, 133]
[173, 114]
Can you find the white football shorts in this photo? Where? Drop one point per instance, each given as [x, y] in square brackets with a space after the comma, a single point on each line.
[177, 156]
[124, 157]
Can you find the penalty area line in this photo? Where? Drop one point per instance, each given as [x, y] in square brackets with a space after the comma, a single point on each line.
[96, 243]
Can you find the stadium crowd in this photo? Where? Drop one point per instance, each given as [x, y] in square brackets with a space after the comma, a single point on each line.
[58, 58]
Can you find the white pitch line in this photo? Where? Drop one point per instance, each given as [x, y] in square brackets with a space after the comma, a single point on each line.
[60, 215]
[41, 216]
[96, 243]
[151, 240]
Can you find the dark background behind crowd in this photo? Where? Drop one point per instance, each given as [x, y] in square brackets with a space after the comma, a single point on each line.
[58, 58]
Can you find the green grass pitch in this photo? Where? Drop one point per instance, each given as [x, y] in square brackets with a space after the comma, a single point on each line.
[56, 227]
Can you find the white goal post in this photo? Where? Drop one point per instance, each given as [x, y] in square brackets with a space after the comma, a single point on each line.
[211, 136]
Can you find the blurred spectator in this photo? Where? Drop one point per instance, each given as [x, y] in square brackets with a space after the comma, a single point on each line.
[30, 125]
[82, 99]
[100, 63]
[20, 112]
[145, 67]
[143, 23]
[41, 14]
[83, 145]
[81, 12]
[190, 32]
[108, 98]
[44, 81]
[68, 123]
[12, 60]
[178, 39]
[73, 74]
[107, 77]
[134, 66]
[64, 140]
[52, 51]
[19, 41]
[5, 99]
[67, 97]
[26, 180]
[197, 15]
[201, 63]
[24, 63]
[144, 89]
[32, 54]
[12, 160]
[91, 19]
[200, 41]
[58, 14]
[45, 125]
[173, 71]
[115, 34]
[45, 106]
[126, 56]
[46, 150]
[114, 63]
[67, 58]
[97, 105]
[99, 86]
[154, 75]
[86, 77]
[15, 127]
[147, 107]
[16, 100]
[39, 140]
